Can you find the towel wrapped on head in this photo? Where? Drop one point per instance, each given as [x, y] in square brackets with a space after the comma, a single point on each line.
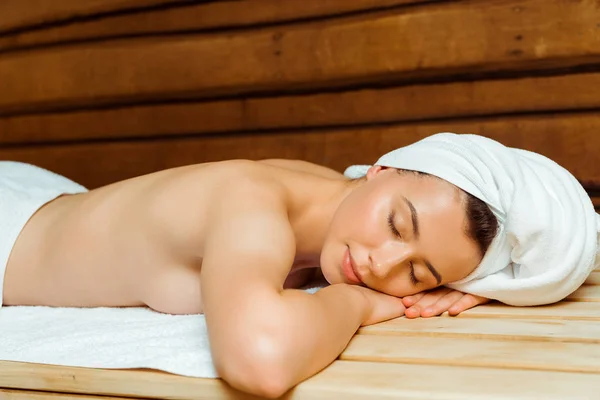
[548, 238]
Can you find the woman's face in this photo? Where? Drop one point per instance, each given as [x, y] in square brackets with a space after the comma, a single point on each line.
[400, 234]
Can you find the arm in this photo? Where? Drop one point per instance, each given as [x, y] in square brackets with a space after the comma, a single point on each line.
[264, 339]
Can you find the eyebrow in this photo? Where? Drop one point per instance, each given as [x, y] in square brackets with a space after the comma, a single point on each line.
[416, 233]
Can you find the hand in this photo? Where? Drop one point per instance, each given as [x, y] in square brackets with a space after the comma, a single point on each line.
[438, 301]
[381, 307]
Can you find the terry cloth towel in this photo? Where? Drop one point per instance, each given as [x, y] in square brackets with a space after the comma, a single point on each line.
[113, 338]
[548, 238]
[24, 189]
[117, 338]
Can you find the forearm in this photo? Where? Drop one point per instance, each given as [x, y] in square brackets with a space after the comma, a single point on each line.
[320, 326]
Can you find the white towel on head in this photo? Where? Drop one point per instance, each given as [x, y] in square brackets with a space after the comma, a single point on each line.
[548, 238]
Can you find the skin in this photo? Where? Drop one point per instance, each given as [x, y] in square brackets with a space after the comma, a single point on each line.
[233, 239]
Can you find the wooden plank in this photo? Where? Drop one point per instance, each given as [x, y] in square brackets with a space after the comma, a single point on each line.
[7, 394]
[194, 17]
[343, 379]
[541, 356]
[491, 328]
[566, 138]
[586, 293]
[367, 106]
[366, 380]
[19, 14]
[565, 310]
[453, 37]
[596, 201]
[593, 279]
[105, 382]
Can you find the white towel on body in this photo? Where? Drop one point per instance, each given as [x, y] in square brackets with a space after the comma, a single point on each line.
[115, 338]
[548, 238]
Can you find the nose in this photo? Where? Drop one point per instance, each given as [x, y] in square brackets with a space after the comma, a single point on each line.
[388, 257]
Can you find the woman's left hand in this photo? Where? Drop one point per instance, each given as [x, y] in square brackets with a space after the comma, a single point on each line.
[438, 301]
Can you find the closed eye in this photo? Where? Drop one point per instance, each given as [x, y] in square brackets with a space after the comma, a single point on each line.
[390, 221]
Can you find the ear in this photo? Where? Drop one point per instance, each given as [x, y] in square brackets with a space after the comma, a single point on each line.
[374, 171]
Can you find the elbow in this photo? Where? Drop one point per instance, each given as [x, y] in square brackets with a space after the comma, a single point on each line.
[260, 366]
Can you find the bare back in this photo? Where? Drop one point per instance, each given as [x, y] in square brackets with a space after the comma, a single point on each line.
[136, 242]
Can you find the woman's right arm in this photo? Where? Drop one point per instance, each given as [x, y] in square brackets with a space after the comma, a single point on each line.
[264, 340]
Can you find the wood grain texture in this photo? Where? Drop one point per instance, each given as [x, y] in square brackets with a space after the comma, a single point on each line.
[542, 330]
[8, 394]
[586, 293]
[454, 37]
[569, 139]
[347, 108]
[105, 382]
[19, 14]
[593, 279]
[566, 310]
[194, 17]
[343, 379]
[457, 351]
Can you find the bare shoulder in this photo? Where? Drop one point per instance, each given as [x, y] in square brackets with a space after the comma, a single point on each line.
[304, 166]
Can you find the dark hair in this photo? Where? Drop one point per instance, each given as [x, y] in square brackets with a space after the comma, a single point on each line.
[482, 224]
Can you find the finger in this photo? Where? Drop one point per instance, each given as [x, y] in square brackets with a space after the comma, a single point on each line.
[466, 302]
[408, 301]
[443, 304]
[426, 301]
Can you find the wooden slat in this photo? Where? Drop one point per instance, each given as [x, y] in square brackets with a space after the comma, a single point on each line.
[566, 138]
[19, 14]
[7, 394]
[366, 380]
[414, 102]
[541, 356]
[586, 293]
[343, 379]
[194, 17]
[453, 37]
[127, 383]
[565, 310]
[491, 328]
[593, 279]
[596, 201]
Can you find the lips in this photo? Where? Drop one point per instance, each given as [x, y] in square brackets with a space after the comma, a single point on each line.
[348, 268]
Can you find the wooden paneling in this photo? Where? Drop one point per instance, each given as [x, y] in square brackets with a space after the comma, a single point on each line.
[346, 108]
[21, 14]
[454, 37]
[569, 139]
[194, 17]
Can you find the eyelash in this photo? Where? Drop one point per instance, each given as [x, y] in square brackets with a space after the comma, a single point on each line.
[390, 221]
[412, 276]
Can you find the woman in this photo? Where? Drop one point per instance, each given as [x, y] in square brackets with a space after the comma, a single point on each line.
[232, 239]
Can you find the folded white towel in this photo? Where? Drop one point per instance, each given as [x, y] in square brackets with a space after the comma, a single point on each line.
[106, 338]
[115, 338]
[548, 239]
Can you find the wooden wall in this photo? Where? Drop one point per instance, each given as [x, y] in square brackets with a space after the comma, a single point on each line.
[102, 90]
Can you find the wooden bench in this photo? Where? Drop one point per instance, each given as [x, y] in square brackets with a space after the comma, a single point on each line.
[490, 352]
